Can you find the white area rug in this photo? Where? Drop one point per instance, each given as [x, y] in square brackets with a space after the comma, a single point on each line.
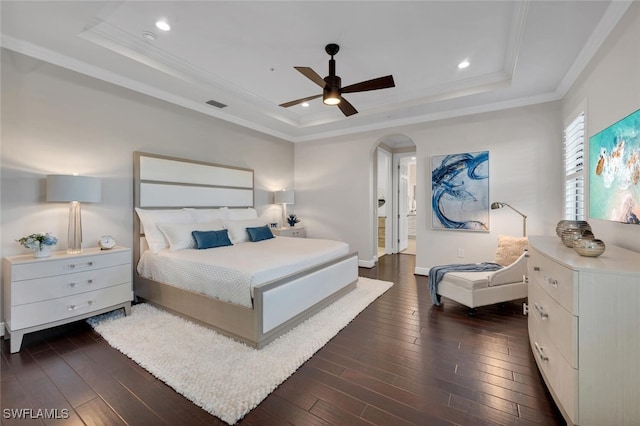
[226, 378]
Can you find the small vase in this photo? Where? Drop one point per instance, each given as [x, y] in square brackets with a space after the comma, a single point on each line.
[43, 251]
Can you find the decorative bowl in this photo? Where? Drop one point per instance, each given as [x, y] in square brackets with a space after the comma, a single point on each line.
[571, 224]
[590, 247]
[570, 235]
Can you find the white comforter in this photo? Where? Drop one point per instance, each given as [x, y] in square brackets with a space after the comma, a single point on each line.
[231, 273]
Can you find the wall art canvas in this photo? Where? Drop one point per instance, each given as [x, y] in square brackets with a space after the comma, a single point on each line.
[614, 171]
[460, 191]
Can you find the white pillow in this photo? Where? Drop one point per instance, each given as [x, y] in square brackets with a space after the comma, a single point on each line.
[238, 229]
[179, 234]
[150, 219]
[243, 214]
[208, 215]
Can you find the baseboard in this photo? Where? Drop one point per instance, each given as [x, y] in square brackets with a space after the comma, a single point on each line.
[421, 271]
[366, 263]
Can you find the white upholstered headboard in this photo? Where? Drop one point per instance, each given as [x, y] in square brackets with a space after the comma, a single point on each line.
[162, 182]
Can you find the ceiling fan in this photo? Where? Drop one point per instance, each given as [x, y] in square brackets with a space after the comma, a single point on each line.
[331, 85]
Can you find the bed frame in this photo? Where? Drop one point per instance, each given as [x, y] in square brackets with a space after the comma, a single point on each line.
[162, 182]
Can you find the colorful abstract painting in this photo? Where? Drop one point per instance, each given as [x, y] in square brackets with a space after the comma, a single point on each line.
[460, 191]
[614, 172]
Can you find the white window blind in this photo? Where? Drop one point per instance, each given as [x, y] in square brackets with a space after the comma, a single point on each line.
[574, 169]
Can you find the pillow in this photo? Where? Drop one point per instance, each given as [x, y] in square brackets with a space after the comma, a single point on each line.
[150, 218]
[179, 234]
[510, 249]
[238, 229]
[242, 214]
[211, 239]
[259, 233]
[209, 215]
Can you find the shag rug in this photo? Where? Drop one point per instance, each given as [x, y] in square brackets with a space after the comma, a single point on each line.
[224, 377]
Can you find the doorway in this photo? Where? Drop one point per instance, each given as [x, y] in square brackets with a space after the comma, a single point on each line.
[395, 183]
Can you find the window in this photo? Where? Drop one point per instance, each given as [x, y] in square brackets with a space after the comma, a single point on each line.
[574, 169]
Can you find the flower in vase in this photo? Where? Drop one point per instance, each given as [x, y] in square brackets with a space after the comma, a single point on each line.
[292, 219]
[37, 241]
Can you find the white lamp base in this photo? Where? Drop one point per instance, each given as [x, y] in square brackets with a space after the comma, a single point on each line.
[74, 242]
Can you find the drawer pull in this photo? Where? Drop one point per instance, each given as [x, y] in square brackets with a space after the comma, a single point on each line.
[82, 265]
[541, 311]
[552, 282]
[541, 354]
[536, 268]
[72, 285]
[76, 307]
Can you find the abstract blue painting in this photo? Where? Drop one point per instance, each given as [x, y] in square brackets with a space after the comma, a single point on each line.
[614, 172]
[460, 191]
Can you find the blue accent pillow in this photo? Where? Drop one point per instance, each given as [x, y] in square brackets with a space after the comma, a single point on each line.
[259, 233]
[211, 239]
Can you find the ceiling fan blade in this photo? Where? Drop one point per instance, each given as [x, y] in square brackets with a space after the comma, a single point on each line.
[312, 75]
[346, 108]
[299, 101]
[374, 84]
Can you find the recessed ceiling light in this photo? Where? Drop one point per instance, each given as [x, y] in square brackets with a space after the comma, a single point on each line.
[463, 64]
[305, 104]
[163, 25]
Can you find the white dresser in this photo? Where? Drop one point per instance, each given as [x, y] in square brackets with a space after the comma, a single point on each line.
[39, 293]
[298, 232]
[584, 329]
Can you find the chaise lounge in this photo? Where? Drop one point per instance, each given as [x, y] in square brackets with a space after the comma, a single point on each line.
[499, 281]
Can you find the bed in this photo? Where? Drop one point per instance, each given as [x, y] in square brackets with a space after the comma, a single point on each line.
[251, 290]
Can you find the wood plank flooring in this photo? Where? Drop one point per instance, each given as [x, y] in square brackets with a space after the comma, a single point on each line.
[400, 362]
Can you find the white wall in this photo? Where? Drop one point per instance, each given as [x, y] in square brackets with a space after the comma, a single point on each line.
[525, 163]
[55, 121]
[610, 89]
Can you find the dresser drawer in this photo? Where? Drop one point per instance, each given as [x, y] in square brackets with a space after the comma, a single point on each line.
[61, 264]
[560, 377]
[555, 321]
[30, 291]
[33, 314]
[557, 280]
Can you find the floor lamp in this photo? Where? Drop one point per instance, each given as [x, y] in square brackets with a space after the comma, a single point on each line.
[499, 205]
[75, 190]
[283, 197]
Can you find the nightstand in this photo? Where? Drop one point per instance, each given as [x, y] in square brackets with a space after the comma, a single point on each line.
[40, 293]
[299, 232]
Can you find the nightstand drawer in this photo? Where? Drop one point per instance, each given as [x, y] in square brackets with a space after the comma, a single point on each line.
[557, 280]
[62, 264]
[290, 232]
[32, 314]
[30, 291]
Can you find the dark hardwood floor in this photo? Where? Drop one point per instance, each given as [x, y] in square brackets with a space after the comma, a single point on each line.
[401, 361]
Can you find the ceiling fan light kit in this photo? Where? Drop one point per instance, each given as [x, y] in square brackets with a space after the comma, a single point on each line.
[332, 89]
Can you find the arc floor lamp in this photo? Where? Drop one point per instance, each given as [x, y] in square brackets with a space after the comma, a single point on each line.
[499, 205]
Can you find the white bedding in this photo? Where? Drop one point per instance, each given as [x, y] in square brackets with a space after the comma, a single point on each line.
[231, 273]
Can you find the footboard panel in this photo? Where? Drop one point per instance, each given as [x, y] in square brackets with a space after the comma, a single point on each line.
[298, 293]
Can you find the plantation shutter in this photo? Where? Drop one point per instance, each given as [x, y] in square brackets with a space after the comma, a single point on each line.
[574, 169]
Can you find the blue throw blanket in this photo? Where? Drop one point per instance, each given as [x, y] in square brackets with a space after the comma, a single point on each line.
[437, 273]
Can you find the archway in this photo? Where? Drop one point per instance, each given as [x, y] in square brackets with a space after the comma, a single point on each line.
[394, 183]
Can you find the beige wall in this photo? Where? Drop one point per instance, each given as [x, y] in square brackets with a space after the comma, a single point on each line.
[56, 121]
[609, 89]
[334, 179]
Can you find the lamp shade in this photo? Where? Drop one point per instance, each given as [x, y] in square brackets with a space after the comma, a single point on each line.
[66, 188]
[283, 197]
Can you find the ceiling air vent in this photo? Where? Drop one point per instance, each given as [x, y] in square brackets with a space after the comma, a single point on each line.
[216, 104]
